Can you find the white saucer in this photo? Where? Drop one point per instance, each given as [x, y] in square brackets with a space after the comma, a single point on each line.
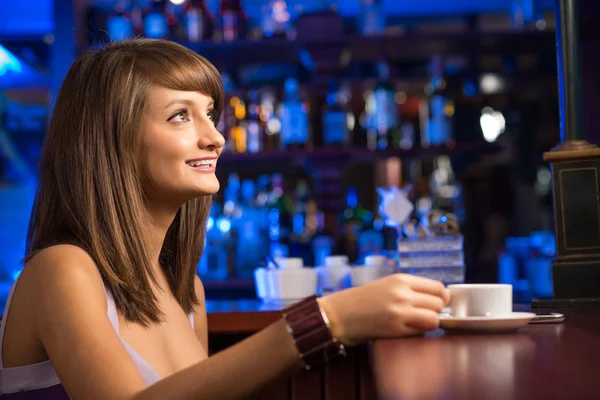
[510, 322]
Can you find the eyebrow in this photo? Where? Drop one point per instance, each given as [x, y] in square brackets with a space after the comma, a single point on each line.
[189, 103]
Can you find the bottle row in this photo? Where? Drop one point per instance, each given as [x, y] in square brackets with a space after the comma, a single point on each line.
[353, 115]
[278, 216]
[225, 20]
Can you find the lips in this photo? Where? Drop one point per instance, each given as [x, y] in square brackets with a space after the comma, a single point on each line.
[201, 163]
[206, 164]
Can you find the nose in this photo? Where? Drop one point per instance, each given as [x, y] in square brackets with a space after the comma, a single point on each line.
[209, 137]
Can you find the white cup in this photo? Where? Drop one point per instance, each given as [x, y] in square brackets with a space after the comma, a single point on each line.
[336, 261]
[361, 274]
[480, 300]
[261, 283]
[334, 275]
[291, 281]
[376, 260]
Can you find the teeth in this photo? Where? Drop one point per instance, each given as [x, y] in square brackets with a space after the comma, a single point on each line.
[203, 163]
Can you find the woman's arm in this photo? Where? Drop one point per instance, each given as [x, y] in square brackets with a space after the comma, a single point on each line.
[91, 362]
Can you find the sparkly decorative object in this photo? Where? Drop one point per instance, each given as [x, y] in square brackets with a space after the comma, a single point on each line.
[429, 246]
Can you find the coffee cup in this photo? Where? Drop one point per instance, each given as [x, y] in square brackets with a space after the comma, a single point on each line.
[292, 281]
[480, 300]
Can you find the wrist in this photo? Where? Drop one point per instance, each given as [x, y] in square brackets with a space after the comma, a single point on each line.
[332, 315]
[309, 326]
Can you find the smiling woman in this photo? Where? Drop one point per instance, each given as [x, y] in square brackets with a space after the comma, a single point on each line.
[180, 144]
[108, 305]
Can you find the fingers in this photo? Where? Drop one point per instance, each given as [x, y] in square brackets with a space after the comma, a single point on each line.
[421, 319]
[429, 286]
[427, 301]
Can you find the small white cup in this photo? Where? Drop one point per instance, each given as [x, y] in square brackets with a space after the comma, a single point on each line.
[334, 275]
[376, 261]
[291, 281]
[361, 274]
[261, 283]
[336, 261]
[480, 300]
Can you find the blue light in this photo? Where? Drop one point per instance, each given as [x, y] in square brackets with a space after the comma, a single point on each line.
[224, 225]
[8, 62]
[352, 197]
[210, 223]
[274, 215]
[274, 232]
[470, 89]
[298, 224]
[16, 274]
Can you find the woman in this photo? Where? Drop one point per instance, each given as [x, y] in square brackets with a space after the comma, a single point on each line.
[108, 305]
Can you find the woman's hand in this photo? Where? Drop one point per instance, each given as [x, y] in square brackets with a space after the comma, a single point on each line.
[394, 306]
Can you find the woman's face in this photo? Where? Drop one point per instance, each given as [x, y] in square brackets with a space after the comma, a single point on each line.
[180, 145]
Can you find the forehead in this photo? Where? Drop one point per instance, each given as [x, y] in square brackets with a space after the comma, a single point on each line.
[164, 97]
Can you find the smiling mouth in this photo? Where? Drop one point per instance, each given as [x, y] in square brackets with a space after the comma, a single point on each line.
[201, 163]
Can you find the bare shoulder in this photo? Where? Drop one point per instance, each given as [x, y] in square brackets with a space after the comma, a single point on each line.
[61, 259]
[70, 307]
[62, 270]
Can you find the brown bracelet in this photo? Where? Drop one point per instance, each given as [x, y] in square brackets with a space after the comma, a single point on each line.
[309, 327]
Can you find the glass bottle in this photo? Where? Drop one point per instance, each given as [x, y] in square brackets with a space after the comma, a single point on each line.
[436, 109]
[198, 21]
[294, 117]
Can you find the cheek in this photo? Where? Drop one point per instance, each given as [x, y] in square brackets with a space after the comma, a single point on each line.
[166, 154]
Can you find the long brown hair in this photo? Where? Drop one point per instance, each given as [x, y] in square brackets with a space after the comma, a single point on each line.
[91, 192]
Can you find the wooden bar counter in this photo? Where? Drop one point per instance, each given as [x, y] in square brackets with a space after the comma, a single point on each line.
[346, 379]
[546, 361]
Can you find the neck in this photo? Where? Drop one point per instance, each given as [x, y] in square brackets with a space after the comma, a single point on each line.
[161, 218]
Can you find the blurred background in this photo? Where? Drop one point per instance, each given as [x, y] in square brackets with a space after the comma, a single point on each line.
[326, 102]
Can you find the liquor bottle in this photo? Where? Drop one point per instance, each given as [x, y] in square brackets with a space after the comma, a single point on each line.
[335, 117]
[384, 121]
[238, 124]
[303, 228]
[354, 219]
[268, 115]
[137, 18]
[199, 23]
[156, 25]
[371, 19]
[119, 25]
[233, 20]
[248, 255]
[280, 219]
[294, 118]
[436, 110]
[213, 264]
[276, 19]
[256, 127]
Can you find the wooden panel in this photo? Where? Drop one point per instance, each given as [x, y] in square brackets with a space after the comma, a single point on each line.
[308, 385]
[240, 322]
[341, 375]
[366, 389]
[277, 391]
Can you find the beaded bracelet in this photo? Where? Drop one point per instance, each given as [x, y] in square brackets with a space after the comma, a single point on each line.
[309, 327]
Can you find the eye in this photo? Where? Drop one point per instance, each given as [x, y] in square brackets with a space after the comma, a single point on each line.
[180, 116]
[212, 114]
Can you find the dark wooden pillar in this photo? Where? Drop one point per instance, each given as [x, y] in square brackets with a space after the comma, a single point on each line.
[576, 162]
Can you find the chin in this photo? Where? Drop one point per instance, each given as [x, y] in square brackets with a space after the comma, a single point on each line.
[207, 189]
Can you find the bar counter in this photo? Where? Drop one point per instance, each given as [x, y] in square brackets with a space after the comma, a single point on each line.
[350, 378]
[545, 361]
